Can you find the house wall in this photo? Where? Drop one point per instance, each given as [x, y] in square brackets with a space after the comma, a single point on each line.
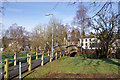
[87, 42]
[116, 45]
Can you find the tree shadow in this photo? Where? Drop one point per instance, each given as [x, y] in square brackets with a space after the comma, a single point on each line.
[107, 61]
[111, 62]
[91, 61]
[98, 62]
[27, 74]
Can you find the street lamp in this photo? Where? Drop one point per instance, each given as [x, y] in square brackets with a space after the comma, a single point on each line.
[52, 29]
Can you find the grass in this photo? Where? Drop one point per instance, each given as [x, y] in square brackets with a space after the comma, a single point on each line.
[76, 65]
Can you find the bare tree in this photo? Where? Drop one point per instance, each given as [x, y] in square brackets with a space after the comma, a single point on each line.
[14, 33]
[78, 34]
[73, 35]
[81, 20]
[38, 38]
[107, 28]
[59, 33]
[5, 42]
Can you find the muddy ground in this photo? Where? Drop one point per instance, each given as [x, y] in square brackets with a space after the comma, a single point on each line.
[70, 75]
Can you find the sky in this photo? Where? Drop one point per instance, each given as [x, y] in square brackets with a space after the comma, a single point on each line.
[31, 14]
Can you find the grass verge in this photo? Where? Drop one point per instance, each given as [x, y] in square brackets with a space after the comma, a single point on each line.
[76, 65]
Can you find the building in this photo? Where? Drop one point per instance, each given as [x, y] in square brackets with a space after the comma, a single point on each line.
[20, 43]
[89, 42]
[1, 49]
[116, 46]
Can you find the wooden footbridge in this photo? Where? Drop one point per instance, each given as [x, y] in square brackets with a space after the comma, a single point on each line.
[69, 49]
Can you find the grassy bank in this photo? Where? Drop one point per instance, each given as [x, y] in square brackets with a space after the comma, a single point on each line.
[76, 65]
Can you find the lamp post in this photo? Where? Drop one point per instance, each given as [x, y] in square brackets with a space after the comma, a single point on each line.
[52, 29]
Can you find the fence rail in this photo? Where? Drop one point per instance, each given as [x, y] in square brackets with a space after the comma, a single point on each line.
[16, 54]
[21, 53]
[10, 72]
[36, 55]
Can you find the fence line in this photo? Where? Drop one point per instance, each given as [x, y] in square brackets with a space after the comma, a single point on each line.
[29, 63]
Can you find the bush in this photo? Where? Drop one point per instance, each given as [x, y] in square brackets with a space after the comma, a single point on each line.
[118, 54]
[8, 50]
[86, 55]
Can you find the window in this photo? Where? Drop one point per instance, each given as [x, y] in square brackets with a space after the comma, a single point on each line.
[90, 40]
[86, 44]
[82, 44]
[90, 44]
[113, 48]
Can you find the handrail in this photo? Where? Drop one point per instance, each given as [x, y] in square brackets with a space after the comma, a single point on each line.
[21, 53]
[18, 58]
[7, 57]
[21, 58]
[3, 72]
[36, 55]
[7, 54]
[59, 46]
[46, 53]
[71, 46]
[2, 62]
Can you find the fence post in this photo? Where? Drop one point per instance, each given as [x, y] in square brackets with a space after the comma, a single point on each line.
[36, 55]
[27, 56]
[29, 63]
[50, 57]
[67, 51]
[42, 59]
[20, 70]
[15, 57]
[63, 53]
[60, 53]
[56, 55]
[6, 68]
[48, 52]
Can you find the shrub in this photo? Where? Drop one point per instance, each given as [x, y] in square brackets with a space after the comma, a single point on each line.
[8, 50]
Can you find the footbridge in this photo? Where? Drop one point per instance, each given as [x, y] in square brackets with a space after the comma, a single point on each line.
[69, 49]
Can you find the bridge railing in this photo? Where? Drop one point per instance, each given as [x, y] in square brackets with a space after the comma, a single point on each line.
[10, 72]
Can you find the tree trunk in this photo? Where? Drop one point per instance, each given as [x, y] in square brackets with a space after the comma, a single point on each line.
[82, 30]
[108, 51]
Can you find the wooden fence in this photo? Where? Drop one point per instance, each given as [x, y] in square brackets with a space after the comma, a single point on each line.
[11, 72]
